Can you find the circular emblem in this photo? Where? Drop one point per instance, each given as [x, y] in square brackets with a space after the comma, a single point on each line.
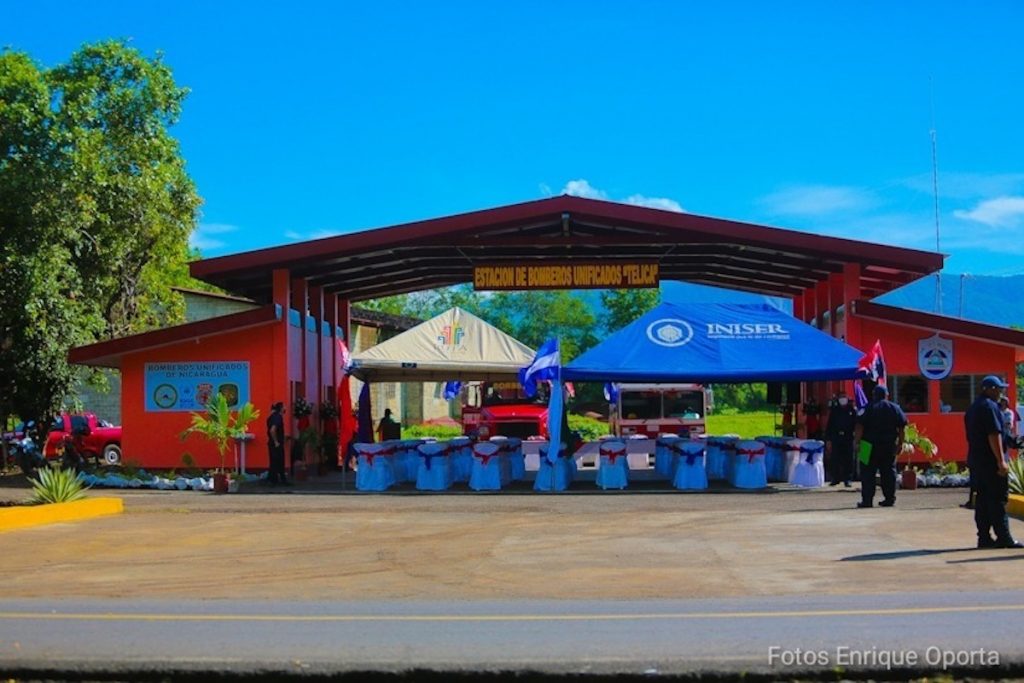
[670, 332]
[165, 396]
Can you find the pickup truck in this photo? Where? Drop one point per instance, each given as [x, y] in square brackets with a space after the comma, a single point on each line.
[94, 438]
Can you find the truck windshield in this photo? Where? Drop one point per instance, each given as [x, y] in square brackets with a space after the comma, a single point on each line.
[510, 393]
[685, 404]
[642, 405]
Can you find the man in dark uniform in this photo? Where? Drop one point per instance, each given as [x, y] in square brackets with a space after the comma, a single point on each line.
[881, 425]
[842, 419]
[275, 442]
[983, 422]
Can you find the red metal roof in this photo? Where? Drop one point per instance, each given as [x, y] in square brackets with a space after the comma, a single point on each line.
[939, 323]
[442, 251]
[109, 353]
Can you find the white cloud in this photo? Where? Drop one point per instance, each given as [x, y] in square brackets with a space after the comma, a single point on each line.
[663, 203]
[583, 188]
[817, 200]
[1001, 212]
[297, 236]
[202, 238]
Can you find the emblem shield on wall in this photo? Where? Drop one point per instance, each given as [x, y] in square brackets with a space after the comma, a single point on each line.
[935, 357]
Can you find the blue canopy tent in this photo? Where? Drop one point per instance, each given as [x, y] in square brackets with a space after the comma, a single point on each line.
[716, 343]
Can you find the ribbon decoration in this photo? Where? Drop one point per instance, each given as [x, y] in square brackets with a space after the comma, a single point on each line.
[382, 452]
[810, 451]
[676, 447]
[751, 453]
[613, 455]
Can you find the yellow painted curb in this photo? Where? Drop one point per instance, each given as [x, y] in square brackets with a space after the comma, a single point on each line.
[1015, 506]
[23, 516]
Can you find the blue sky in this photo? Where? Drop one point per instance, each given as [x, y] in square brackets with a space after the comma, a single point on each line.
[310, 119]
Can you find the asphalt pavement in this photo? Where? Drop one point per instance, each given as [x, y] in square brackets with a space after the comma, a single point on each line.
[311, 580]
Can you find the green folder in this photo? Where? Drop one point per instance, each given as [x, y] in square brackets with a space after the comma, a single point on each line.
[864, 453]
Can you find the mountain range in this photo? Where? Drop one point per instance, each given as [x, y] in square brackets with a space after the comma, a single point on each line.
[989, 299]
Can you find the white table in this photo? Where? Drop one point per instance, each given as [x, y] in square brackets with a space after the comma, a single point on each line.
[637, 452]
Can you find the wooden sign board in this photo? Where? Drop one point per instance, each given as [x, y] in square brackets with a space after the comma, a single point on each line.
[597, 275]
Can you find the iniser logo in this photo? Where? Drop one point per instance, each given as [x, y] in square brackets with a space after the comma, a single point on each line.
[670, 332]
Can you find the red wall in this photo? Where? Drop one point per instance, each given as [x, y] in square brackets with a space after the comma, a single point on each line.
[970, 357]
[152, 438]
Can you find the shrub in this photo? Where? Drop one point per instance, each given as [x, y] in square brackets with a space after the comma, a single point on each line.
[422, 431]
[57, 486]
[1017, 475]
[589, 429]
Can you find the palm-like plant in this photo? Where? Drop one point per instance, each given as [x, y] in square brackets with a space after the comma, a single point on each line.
[220, 425]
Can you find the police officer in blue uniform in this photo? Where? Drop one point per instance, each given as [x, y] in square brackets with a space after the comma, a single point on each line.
[881, 425]
[983, 423]
[842, 420]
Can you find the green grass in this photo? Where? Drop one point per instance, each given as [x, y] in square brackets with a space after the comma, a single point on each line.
[747, 425]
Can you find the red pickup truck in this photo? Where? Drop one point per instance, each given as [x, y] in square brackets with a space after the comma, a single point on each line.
[95, 438]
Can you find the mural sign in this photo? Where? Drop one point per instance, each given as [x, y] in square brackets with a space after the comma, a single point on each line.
[186, 387]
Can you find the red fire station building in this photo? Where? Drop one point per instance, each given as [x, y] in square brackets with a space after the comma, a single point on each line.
[286, 346]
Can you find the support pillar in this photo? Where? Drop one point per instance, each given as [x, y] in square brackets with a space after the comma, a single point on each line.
[279, 372]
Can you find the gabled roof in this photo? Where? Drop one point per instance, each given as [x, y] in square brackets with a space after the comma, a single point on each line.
[455, 345]
[939, 323]
[442, 251]
[110, 353]
[716, 343]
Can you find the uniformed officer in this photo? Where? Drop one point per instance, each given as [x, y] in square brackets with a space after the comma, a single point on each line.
[881, 425]
[275, 443]
[842, 419]
[983, 422]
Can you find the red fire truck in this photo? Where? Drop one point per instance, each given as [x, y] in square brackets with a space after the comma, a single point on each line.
[502, 409]
[653, 409]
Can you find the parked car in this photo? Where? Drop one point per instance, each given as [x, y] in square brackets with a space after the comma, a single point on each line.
[93, 437]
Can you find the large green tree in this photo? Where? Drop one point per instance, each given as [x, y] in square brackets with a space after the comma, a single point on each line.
[623, 306]
[95, 212]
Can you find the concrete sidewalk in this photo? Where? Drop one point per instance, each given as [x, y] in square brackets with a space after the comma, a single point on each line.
[310, 542]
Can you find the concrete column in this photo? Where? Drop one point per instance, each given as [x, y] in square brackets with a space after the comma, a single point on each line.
[281, 279]
[316, 309]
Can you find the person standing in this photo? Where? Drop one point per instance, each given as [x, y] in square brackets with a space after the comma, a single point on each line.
[881, 425]
[275, 442]
[983, 423]
[387, 428]
[842, 420]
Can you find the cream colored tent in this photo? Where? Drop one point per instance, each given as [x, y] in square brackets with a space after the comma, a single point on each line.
[455, 345]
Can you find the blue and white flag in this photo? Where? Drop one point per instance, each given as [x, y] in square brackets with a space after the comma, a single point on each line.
[452, 389]
[545, 366]
[611, 392]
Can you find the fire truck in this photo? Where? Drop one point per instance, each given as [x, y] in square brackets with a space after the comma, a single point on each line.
[502, 409]
[653, 409]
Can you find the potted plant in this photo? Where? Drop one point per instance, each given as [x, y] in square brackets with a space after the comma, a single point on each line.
[914, 441]
[221, 426]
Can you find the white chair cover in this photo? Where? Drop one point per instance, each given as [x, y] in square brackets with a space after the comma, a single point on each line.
[691, 472]
[612, 470]
[375, 468]
[552, 477]
[664, 456]
[791, 455]
[407, 459]
[749, 471]
[504, 462]
[516, 459]
[809, 471]
[486, 475]
[772, 457]
[461, 458]
[434, 473]
[727, 444]
[715, 457]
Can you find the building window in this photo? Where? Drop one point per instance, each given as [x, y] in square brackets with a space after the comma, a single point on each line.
[957, 392]
[910, 392]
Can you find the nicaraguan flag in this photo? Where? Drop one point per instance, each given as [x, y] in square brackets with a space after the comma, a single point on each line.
[545, 366]
[452, 389]
[611, 392]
